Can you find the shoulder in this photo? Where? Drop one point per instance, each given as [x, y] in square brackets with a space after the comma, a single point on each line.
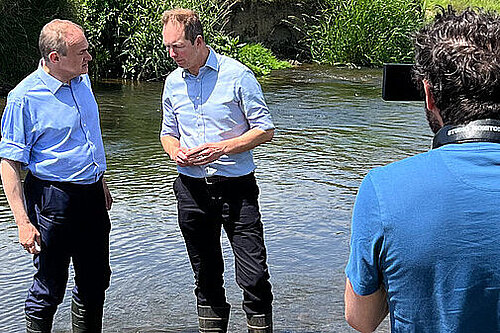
[86, 80]
[233, 67]
[405, 171]
[174, 77]
[25, 87]
[176, 74]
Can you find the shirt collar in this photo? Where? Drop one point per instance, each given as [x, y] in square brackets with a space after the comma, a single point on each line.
[51, 82]
[212, 63]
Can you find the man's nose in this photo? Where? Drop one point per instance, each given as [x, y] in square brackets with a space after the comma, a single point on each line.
[171, 52]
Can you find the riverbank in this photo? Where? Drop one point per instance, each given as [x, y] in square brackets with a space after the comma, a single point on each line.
[333, 32]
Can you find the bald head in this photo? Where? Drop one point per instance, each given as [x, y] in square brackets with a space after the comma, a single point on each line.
[56, 36]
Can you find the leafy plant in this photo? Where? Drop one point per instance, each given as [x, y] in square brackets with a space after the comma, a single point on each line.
[363, 32]
[260, 59]
[20, 27]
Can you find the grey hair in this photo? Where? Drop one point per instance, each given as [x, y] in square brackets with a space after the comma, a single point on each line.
[53, 37]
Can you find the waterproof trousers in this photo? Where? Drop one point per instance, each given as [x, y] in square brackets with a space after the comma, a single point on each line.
[74, 226]
[206, 204]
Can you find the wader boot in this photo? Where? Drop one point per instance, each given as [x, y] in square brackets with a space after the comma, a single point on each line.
[213, 319]
[85, 320]
[260, 323]
[38, 325]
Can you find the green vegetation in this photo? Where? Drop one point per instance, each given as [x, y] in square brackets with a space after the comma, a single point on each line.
[125, 35]
[259, 59]
[363, 32]
[462, 4]
[20, 27]
[126, 39]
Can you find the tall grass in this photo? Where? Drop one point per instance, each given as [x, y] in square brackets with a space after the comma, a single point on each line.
[363, 32]
[125, 36]
[20, 25]
[461, 4]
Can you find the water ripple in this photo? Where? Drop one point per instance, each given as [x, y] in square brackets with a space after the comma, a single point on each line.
[332, 127]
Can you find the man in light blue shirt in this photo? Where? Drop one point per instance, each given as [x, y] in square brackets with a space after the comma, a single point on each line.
[214, 114]
[50, 127]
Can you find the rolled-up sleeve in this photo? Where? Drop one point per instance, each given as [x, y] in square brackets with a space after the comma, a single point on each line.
[363, 268]
[17, 132]
[169, 124]
[253, 103]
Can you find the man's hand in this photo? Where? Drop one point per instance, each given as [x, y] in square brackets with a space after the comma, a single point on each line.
[206, 153]
[29, 237]
[180, 157]
[107, 195]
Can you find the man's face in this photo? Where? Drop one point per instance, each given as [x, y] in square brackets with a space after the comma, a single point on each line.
[76, 60]
[184, 53]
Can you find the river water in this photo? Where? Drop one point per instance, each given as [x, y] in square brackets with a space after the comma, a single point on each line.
[332, 127]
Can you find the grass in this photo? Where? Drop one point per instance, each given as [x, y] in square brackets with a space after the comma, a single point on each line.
[363, 32]
[462, 4]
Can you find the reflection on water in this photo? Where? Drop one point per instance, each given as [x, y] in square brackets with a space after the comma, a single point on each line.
[332, 127]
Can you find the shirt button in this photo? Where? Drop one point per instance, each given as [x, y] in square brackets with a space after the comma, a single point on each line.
[197, 97]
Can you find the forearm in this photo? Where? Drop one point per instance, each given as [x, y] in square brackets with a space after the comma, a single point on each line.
[365, 313]
[246, 141]
[170, 145]
[11, 180]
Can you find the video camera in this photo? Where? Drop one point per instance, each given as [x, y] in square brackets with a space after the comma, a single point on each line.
[397, 83]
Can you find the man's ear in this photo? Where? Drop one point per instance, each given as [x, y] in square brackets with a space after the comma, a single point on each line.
[198, 40]
[54, 57]
[429, 96]
[430, 103]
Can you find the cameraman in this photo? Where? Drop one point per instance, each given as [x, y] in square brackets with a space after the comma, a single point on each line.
[425, 242]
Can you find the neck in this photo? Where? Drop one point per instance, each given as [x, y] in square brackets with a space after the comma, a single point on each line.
[54, 73]
[202, 60]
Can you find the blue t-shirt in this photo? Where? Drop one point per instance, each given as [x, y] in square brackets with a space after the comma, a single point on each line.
[428, 229]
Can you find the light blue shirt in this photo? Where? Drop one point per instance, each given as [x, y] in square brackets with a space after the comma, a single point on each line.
[222, 102]
[53, 129]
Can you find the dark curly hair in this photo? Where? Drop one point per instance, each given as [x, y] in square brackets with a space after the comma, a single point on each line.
[459, 55]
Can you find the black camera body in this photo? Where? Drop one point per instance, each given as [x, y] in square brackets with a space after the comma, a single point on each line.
[398, 85]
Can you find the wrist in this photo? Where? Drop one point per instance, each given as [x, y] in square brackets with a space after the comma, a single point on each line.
[173, 153]
[23, 221]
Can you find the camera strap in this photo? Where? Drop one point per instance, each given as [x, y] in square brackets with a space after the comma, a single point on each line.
[483, 130]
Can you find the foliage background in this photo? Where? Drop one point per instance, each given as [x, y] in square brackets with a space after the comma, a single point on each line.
[20, 25]
[125, 35]
[363, 32]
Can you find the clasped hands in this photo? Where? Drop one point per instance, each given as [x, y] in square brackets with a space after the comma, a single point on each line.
[200, 155]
